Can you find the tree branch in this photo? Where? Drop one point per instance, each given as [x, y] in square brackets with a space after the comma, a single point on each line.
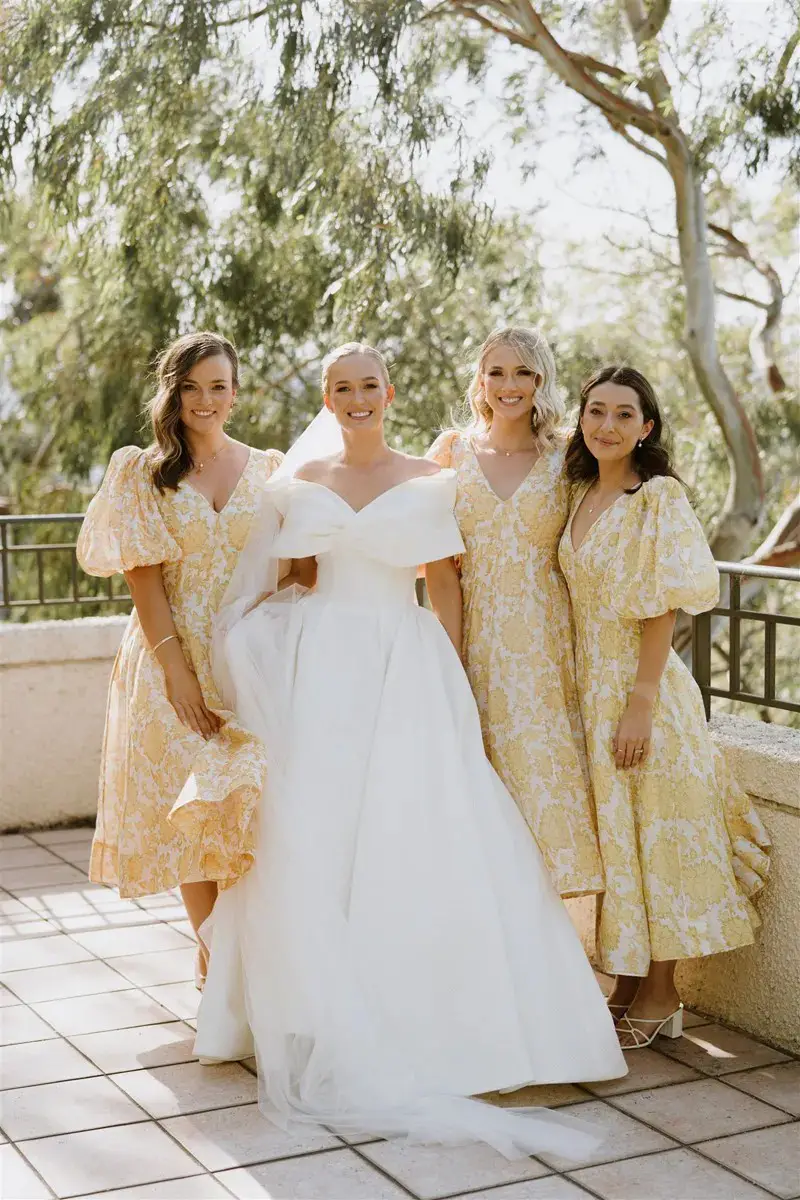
[721, 291]
[623, 133]
[654, 22]
[785, 59]
[528, 29]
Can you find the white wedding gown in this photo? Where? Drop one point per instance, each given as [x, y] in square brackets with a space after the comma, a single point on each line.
[398, 946]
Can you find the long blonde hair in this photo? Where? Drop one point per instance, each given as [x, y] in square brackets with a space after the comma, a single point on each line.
[345, 351]
[170, 457]
[548, 408]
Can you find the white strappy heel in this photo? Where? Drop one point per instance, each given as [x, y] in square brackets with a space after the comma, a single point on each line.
[671, 1027]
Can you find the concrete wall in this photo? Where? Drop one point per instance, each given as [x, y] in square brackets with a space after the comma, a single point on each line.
[53, 684]
[758, 988]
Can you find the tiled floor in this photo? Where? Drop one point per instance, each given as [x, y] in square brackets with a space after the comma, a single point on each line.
[102, 1094]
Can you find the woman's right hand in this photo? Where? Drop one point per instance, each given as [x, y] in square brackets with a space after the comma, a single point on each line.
[185, 696]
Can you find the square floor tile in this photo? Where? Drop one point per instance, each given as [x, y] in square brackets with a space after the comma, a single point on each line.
[198, 1187]
[182, 999]
[715, 1050]
[188, 1087]
[26, 856]
[164, 966]
[160, 899]
[43, 1062]
[94, 1014]
[34, 1112]
[551, 1188]
[96, 920]
[676, 1175]
[778, 1085]
[433, 1171]
[624, 1137]
[23, 880]
[75, 979]
[691, 1020]
[7, 840]
[19, 1180]
[13, 930]
[82, 900]
[19, 1024]
[50, 837]
[693, 1112]
[547, 1095]
[7, 998]
[646, 1069]
[13, 909]
[234, 1137]
[144, 939]
[331, 1175]
[770, 1157]
[135, 1049]
[24, 954]
[76, 1163]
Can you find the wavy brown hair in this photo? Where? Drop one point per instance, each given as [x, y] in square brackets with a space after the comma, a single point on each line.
[653, 457]
[169, 453]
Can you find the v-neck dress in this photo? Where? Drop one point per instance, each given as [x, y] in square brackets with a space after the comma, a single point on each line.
[683, 847]
[140, 845]
[517, 650]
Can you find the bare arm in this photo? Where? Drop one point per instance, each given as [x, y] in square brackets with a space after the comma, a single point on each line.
[632, 739]
[155, 615]
[444, 592]
[302, 571]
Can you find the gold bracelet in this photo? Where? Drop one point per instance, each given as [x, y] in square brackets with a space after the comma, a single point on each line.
[168, 638]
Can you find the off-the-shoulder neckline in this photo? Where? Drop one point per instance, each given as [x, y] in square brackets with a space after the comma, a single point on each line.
[444, 471]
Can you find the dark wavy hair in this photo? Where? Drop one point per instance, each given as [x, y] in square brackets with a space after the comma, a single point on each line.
[652, 458]
[170, 457]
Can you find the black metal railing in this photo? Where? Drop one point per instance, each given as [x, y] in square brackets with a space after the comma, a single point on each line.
[39, 573]
[39, 569]
[703, 627]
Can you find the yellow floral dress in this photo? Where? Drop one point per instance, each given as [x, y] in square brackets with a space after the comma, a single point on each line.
[683, 848]
[517, 652]
[145, 841]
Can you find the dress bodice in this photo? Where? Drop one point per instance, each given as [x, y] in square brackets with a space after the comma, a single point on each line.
[369, 555]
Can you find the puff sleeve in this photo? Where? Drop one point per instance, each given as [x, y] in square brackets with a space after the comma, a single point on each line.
[442, 449]
[663, 561]
[123, 527]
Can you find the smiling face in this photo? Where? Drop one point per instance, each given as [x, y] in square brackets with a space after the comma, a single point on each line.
[612, 422]
[358, 392]
[207, 394]
[509, 385]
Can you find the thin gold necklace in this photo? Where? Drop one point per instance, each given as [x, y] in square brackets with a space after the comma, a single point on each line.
[201, 466]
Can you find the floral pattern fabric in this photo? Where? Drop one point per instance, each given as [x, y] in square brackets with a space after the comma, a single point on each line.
[141, 845]
[517, 650]
[683, 848]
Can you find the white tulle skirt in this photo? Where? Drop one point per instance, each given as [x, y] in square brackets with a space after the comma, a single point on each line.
[398, 946]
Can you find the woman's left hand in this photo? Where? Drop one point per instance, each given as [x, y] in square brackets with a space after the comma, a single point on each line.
[631, 742]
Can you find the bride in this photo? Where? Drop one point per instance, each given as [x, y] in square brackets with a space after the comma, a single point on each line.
[397, 946]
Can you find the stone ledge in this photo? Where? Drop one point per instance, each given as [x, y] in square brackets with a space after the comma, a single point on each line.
[765, 758]
[81, 640]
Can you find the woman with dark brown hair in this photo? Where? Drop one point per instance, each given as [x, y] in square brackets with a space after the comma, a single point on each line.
[172, 519]
[683, 849]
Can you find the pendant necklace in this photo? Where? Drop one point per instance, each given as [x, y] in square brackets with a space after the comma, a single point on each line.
[202, 465]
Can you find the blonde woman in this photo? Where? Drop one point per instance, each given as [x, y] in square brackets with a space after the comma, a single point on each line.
[512, 503]
[172, 519]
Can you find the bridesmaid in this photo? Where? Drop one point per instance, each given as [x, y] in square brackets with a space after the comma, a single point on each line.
[172, 518]
[512, 504]
[682, 848]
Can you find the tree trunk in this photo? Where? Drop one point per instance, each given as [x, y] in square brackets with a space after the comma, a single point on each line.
[745, 497]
